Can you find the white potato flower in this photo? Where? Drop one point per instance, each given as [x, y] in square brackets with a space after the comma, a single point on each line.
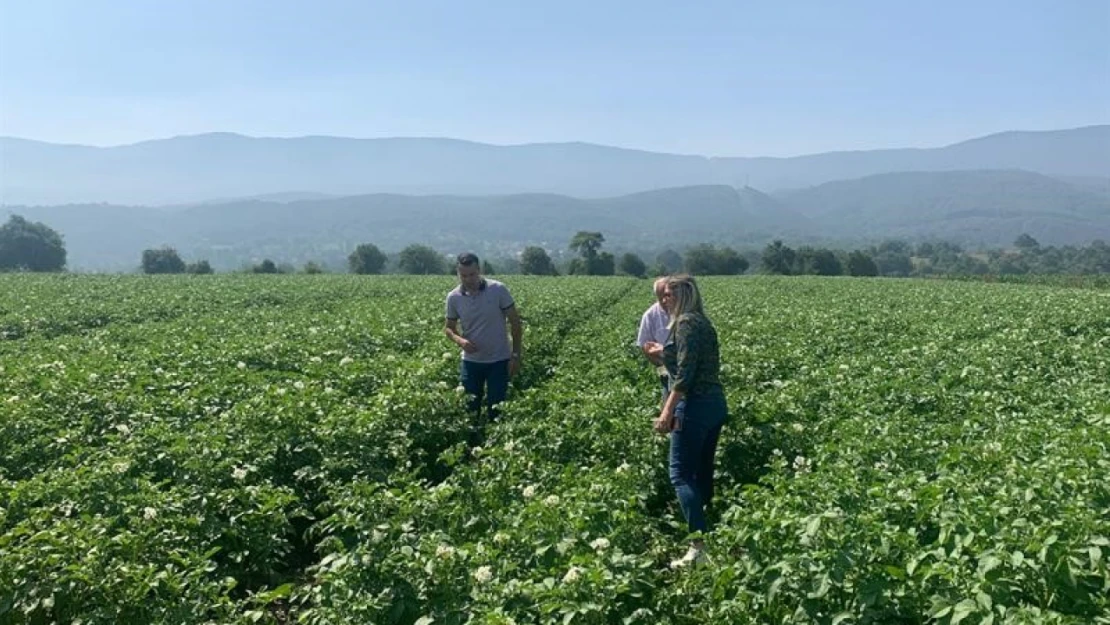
[600, 544]
[483, 574]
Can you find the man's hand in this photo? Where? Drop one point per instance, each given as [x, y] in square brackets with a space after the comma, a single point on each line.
[653, 349]
[514, 366]
[664, 423]
[468, 346]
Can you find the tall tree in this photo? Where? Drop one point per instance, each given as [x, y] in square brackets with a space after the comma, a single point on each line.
[266, 266]
[602, 265]
[632, 265]
[162, 260]
[587, 244]
[420, 260]
[366, 259]
[708, 260]
[535, 261]
[860, 264]
[669, 260]
[30, 246]
[777, 258]
[593, 261]
[200, 267]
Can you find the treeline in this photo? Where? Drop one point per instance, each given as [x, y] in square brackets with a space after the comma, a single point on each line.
[27, 246]
[901, 259]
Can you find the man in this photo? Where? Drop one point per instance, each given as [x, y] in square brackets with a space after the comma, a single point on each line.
[654, 332]
[488, 361]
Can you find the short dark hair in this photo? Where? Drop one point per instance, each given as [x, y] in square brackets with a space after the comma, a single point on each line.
[467, 259]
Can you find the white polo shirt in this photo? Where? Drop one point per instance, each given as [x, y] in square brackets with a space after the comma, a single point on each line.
[653, 326]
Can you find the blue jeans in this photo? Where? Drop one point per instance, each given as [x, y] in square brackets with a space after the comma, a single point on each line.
[693, 450]
[485, 379]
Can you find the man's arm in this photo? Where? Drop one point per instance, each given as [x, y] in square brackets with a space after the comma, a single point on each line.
[451, 330]
[517, 332]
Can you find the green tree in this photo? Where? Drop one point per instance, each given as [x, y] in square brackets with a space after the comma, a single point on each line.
[860, 264]
[587, 244]
[198, 268]
[817, 262]
[266, 266]
[632, 265]
[313, 268]
[730, 262]
[602, 265]
[30, 246]
[487, 268]
[162, 260]
[893, 263]
[777, 259]
[366, 259]
[594, 262]
[1025, 242]
[535, 261]
[669, 260]
[420, 260]
[701, 260]
[708, 260]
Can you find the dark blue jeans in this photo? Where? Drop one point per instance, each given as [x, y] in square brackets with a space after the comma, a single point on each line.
[693, 451]
[485, 379]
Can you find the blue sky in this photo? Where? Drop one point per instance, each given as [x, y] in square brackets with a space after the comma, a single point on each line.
[739, 78]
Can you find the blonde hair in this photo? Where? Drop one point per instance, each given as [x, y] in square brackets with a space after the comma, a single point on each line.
[685, 297]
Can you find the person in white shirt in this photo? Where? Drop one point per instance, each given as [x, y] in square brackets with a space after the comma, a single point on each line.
[654, 332]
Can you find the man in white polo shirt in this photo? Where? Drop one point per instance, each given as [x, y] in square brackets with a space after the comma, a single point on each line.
[654, 332]
[488, 360]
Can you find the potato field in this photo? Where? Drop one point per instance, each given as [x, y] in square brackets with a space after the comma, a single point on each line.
[295, 449]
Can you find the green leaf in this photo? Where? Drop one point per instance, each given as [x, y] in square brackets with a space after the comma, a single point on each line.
[841, 617]
[424, 620]
[987, 563]
[984, 600]
[822, 588]
[813, 525]
[962, 609]
[774, 589]
[940, 611]
[278, 593]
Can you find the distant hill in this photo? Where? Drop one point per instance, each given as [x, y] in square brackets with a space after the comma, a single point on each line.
[972, 207]
[110, 237]
[1083, 152]
[223, 165]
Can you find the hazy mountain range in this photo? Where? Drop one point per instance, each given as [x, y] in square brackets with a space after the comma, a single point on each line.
[316, 197]
[202, 167]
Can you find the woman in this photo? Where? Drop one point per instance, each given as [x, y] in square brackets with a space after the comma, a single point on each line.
[695, 409]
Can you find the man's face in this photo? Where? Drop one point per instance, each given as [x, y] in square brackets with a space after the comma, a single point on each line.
[469, 276]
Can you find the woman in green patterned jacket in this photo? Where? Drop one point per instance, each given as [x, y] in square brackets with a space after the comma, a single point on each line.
[695, 409]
